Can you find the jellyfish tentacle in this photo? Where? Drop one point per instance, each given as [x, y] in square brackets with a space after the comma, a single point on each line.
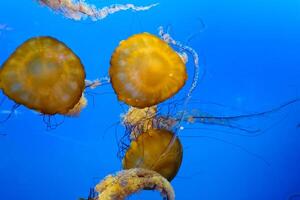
[237, 146]
[48, 120]
[195, 34]
[245, 116]
[11, 113]
[79, 9]
[92, 84]
[228, 125]
[167, 38]
[227, 121]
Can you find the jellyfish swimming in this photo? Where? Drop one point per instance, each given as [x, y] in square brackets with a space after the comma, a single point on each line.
[150, 140]
[145, 71]
[78, 9]
[150, 146]
[45, 75]
[150, 151]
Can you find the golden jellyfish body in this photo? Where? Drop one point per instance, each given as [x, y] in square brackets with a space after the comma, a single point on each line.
[152, 150]
[145, 71]
[45, 75]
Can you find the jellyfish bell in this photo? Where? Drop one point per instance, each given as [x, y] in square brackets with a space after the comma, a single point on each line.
[45, 75]
[151, 150]
[145, 71]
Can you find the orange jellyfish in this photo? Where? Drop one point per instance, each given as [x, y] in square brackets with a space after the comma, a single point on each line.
[151, 150]
[145, 71]
[45, 75]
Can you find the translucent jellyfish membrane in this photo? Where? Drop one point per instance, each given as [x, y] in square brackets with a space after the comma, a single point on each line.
[45, 75]
[145, 71]
[127, 182]
[151, 150]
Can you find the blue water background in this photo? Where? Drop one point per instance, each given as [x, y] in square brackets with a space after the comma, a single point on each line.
[250, 50]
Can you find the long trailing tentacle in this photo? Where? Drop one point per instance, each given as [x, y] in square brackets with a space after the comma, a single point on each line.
[227, 121]
[167, 38]
[78, 9]
[239, 117]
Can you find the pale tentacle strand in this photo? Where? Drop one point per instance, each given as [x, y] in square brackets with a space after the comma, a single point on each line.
[78, 9]
[92, 84]
[168, 39]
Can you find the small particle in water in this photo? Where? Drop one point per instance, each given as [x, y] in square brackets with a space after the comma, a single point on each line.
[5, 27]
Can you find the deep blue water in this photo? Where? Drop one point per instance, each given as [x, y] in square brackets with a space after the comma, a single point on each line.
[250, 51]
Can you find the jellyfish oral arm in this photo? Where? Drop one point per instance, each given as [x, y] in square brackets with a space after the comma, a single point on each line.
[92, 84]
[78, 9]
[127, 182]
